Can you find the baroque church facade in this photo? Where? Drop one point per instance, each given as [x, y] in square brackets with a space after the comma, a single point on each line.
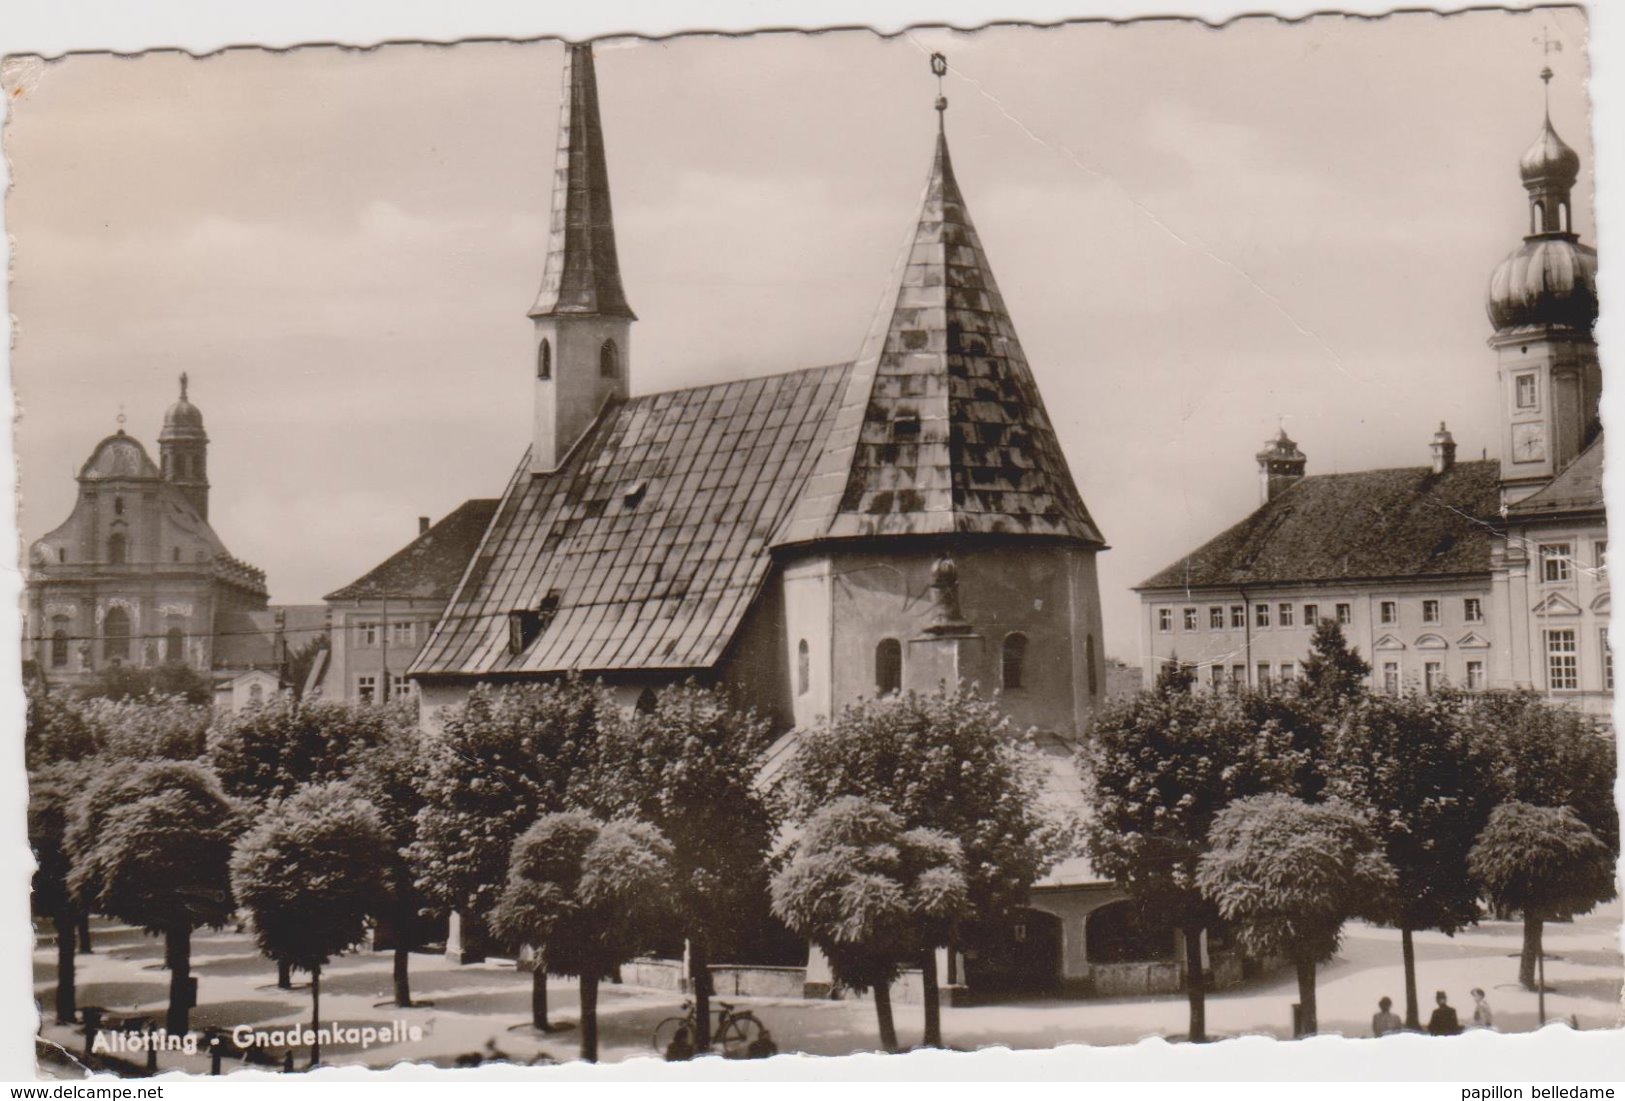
[1485, 575]
[137, 577]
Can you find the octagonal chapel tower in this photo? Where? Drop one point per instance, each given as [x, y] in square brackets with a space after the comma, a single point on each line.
[940, 537]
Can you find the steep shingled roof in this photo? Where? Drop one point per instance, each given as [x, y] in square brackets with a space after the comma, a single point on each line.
[942, 428]
[582, 274]
[429, 567]
[1577, 487]
[650, 544]
[1407, 522]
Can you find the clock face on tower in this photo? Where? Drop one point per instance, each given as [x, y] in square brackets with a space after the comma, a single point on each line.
[1528, 443]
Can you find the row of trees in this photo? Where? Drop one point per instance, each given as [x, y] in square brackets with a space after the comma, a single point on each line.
[585, 832]
[1284, 813]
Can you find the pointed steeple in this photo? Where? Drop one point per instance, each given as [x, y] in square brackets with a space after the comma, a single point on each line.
[941, 429]
[582, 275]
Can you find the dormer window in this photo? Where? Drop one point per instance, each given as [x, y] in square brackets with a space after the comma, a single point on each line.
[524, 628]
[634, 493]
[905, 428]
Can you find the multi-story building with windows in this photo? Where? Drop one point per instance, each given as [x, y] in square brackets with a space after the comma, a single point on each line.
[1488, 574]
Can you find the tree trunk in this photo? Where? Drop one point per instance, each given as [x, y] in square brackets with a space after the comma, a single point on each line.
[66, 1009]
[1196, 984]
[1307, 1024]
[538, 995]
[589, 1016]
[1532, 927]
[178, 951]
[933, 998]
[699, 972]
[315, 1015]
[1413, 1013]
[84, 933]
[284, 975]
[403, 977]
[888, 1029]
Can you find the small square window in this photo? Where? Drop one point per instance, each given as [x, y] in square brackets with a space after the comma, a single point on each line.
[1261, 617]
[1345, 614]
[1288, 670]
[1430, 611]
[1215, 619]
[1165, 619]
[1599, 555]
[1472, 610]
[366, 688]
[1475, 675]
[1390, 612]
[1562, 661]
[1216, 676]
[1238, 616]
[1263, 674]
[1286, 615]
[1556, 562]
[1190, 619]
[1432, 676]
[1390, 677]
[1311, 614]
[1607, 662]
[1526, 391]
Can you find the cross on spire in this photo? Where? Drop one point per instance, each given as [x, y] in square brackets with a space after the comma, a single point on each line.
[939, 66]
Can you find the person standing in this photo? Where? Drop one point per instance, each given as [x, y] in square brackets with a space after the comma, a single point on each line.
[1385, 1020]
[1444, 1021]
[1482, 1017]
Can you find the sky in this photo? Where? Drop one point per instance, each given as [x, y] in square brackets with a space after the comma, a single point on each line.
[1201, 234]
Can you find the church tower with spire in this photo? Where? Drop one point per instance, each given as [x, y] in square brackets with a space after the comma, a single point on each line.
[582, 324]
[1543, 303]
[183, 451]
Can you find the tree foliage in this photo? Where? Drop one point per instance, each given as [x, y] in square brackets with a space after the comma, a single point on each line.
[389, 778]
[134, 683]
[689, 767]
[593, 894]
[1550, 756]
[270, 751]
[503, 758]
[1544, 860]
[311, 872]
[1289, 874]
[945, 761]
[1333, 671]
[871, 894]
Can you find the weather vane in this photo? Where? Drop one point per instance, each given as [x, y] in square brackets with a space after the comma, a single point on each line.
[939, 66]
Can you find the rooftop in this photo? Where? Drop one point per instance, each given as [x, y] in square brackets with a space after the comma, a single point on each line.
[1400, 523]
[429, 567]
[1577, 487]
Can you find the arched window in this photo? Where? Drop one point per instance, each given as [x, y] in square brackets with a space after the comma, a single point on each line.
[118, 506]
[116, 634]
[888, 666]
[174, 644]
[175, 554]
[115, 548]
[256, 693]
[1089, 656]
[1537, 215]
[1015, 659]
[544, 360]
[609, 360]
[59, 641]
[1563, 217]
[646, 701]
[803, 668]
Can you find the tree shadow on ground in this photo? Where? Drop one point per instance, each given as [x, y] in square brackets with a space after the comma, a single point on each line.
[243, 1012]
[122, 994]
[377, 980]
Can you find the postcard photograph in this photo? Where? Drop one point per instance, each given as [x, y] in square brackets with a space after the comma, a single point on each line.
[725, 546]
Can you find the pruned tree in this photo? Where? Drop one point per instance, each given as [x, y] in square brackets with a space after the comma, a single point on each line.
[1545, 862]
[57, 729]
[134, 682]
[148, 728]
[689, 767]
[946, 761]
[1427, 786]
[592, 894]
[389, 778]
[1549, 755]
[51, 791]
[151, 845]
[1288, 875]
[873, 896]
[503, 758]
[311, 873]
[1157, 767]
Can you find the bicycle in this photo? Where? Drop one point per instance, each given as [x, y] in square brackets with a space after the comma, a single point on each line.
[733, 1034]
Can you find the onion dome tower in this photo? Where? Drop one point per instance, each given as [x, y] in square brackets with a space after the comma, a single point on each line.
[1543, 303]
[184, 451]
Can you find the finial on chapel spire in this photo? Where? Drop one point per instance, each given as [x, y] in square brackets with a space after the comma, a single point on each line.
[939, 66]
[183, 385]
